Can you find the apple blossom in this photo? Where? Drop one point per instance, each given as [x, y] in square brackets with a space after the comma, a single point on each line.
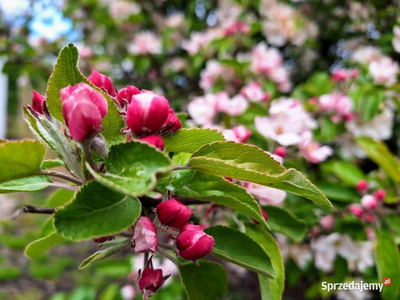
[145, 43]
[193, 243]
[362, 186]
[154, 140]
[102, 82]
[144, 236]
[37, 102]
[380, 195]
[254, 92]
[327, 222]
[384, 71]
[125, 95]
[369, 202]
[173, 213]
[356, 210]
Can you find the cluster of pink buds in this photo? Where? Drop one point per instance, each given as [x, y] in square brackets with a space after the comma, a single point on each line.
[340, 75]
[237, 27]
[150, 280]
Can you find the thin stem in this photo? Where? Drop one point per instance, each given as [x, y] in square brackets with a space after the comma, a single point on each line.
[166, 246]
[167, 255]
[61, 175]
[33, 210]
[64, 186]
[125, 234]
[183, 167]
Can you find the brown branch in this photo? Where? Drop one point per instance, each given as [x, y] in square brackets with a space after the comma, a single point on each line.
[61, 175]
[32, 210]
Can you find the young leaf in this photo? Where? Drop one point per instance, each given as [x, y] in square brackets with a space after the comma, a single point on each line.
[132, 168]
[238, 248]
[387, 262]
[20, 159]
[59, 198]
[215, 189]
[346, 171]
[118, 246]
[190, 140]
[271, 289]
[96, 211]
[381, 155]
[207, 282]
[282, 220]
[250, 163]
[26, 184]
[38, 247]
[344, 194]
[66, 73]
[52, 163]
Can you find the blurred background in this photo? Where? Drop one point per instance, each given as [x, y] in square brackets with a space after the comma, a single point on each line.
[182, 49]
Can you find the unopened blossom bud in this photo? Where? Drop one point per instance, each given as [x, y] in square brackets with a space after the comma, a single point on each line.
[356, 210]
[280, 151]
[353, 73]
[147, 113]
[125, 95]
[103, 239]
[102, 82]
[37, 102]
[339, 75]
[150, 281]
[193, 243]
[327, 222]
[172, 123]
[369, 202]
[380, 195]
[242, 134]
[145, 236]
[83, 110]
[265, 215]
[369, 218]
[173, 213]
[362, 186]
[154, 140]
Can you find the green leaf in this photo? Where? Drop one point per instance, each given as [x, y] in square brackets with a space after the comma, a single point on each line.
[26, 184]
[118, 246]
[96, 211]
[249, 163]
[190, 140]
[59, 198]
[346, 171]
[387, 262]
[132, 168]
[206, 282]
[343, 194]
[238, 248]
[215, 189]
[282, 220]
[66, 73]
[38, 247]
[52, 163]
[271, 289]
[381, 155]
[20, 159]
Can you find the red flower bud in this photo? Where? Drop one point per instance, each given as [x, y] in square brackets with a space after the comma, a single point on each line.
[147, 113]
[83, 109]
[193, 243]
[265, 215]
[154, 140]
[102, 81]
[103, 239]
[173, 213]
[126, 94]
[280, 151]
[356, 210]
[369, 202]
[327, 222]
[172, 123]
[369, 218]
[37, 102]
[380, 195]
[362, 186]
[145, 236]
[151, 280]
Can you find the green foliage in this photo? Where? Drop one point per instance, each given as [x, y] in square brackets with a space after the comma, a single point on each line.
[38, 247]
[190, 140]
[27, 184]
[238, 248]
[250, 163]
[346, 171]
[132, 168]
[207, 282]
[25, 157]
[59, 198]
[96, 211]
[367, 99]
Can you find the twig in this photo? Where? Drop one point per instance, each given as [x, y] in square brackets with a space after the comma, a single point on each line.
[33, 210]
[64, 186]
[61, 175]
[184, 167]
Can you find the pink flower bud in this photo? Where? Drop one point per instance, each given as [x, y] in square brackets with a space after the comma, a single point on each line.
[154, 140]
[369, 202]
[125, 95]
[370, 233]
[327, 222]
[173, 213]
[339, 75]
[150, 280]
[103, 239]
[147, 113]
[356, 210]
[380, 195]
[83, 110]
[193, 243]
[242, 134]
[265, 215]
[145, 236]
[369, 218]
[102, 82]
[353, 73]
[280, 151]
[172, 123]
[37, 102]
[362, 186]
